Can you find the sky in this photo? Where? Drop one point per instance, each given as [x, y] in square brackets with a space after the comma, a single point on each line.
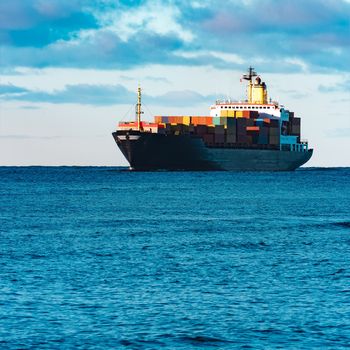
[69, 70]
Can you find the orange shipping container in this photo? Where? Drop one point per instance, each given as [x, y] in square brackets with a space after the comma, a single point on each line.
[172, 120]
[157, 119]
[126, 124]
[201, 120]
[253, 128]
[194, 120]
[246, 114]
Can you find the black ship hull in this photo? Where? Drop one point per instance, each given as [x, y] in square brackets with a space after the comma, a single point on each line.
[152, 151]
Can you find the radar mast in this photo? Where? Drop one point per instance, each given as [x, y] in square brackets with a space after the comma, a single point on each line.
[249, 76]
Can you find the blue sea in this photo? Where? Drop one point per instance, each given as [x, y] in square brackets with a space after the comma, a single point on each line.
[104, 258]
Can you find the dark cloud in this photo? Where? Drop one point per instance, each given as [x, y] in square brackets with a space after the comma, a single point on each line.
[104, 50]
[25, 14]
[38, 23]
[48, 32]
[101, 95]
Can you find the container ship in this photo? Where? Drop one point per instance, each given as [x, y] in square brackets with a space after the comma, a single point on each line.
[256, 134]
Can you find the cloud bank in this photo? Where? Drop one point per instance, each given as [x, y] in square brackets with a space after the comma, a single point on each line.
[100, 95]
[281, 36]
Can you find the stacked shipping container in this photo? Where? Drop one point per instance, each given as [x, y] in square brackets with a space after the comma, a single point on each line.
[232, 127]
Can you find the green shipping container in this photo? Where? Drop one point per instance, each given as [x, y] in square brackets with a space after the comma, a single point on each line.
[216, 120]
[223, 121]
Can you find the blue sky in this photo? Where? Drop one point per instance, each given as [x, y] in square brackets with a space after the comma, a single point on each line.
[87, 57]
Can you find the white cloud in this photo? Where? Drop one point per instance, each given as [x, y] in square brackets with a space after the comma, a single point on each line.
[198, 4]
[224, 56]
[297, 62]
[154, 17]
[228, 57]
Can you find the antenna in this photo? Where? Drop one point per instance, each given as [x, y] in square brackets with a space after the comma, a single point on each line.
[138, 108]
[249, 76]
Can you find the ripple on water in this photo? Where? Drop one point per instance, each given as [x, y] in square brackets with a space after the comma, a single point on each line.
[101, 258]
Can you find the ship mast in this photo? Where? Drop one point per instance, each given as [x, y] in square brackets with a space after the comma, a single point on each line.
[138, 108]
[249, 76]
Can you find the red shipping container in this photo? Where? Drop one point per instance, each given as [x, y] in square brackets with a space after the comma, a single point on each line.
[209, 120]
[126, 124]
[246, 114]
[253, 128]
[172, 120]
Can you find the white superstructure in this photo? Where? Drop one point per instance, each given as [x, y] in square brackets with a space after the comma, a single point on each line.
[265, 110]
[257, 100]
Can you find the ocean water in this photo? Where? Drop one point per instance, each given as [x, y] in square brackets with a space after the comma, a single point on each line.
[104, 258]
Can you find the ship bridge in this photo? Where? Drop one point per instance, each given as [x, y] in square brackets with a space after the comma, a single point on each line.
[257, 99]
[266, 110]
